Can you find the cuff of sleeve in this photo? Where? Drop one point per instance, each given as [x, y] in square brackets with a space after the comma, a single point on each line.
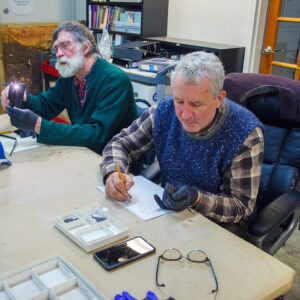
[43, 129]
[107, 170]
[198, 199]
[203, 204]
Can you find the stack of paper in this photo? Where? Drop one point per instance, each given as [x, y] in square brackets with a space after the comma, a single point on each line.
[142, 203]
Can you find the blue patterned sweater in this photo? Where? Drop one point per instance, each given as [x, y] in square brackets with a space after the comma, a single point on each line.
[199, 161]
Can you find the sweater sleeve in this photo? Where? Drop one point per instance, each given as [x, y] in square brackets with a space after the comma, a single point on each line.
[47, 104]
[240, 184]
[129, 144]
[110, 114]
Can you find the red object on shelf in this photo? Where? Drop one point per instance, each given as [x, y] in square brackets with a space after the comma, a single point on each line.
[47, 68]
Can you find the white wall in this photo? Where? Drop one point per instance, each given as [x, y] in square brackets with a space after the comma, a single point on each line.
[46, 11]
[232, 22]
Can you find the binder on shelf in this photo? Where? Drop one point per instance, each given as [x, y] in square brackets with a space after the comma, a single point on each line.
[136, 50]
[155, 64]
[126, 62]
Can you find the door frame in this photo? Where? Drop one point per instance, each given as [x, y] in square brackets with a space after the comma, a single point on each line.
[270, 39]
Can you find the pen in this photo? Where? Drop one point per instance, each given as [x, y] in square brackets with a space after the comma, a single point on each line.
[120, 175]
[5, 132]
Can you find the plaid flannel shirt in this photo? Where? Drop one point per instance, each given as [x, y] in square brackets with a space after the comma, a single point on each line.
[238, 190]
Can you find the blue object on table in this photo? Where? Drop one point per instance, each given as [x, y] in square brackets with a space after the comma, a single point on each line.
[3, 159]
[126, 296]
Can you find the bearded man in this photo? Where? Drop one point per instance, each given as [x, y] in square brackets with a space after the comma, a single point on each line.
[97, 95]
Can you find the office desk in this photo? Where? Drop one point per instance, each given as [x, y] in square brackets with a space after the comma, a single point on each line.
[49, 181]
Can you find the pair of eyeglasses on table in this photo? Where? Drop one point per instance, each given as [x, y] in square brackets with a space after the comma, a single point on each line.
[196, 256]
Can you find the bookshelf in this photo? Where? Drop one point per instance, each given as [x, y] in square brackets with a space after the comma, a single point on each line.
[135, 18]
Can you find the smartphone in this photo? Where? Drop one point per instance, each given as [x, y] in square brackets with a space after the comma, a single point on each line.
[123, 253]
[16, 93]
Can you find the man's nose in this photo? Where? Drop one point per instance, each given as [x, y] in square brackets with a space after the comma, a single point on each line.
[186, 111]
[59, 53]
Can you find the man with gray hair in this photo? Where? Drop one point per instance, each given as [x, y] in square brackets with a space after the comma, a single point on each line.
[97, 95]
[209, 149]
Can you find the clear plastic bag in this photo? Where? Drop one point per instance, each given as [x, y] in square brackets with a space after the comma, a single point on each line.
[104, 45]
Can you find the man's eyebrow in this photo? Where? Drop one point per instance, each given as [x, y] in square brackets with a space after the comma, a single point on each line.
[177, 98]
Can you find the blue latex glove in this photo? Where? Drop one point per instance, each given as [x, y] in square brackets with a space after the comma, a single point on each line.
[150, 296]
[125, 296]
[22, 118]
[185, 197]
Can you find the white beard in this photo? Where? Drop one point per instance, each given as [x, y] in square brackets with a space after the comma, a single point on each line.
[73, 65]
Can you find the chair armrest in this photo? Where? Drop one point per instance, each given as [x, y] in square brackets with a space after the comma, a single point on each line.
[152, 172]
[275, 213]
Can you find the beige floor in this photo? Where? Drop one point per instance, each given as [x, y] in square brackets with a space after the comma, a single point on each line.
[290, 255]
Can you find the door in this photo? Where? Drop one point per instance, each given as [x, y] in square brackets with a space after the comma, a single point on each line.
[281, 55]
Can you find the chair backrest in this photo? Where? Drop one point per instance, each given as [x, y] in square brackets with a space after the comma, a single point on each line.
[147, 158]
[277, 107]
[280, 171]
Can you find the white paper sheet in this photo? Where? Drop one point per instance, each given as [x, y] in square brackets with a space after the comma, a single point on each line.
[22, 143]
[142, 203]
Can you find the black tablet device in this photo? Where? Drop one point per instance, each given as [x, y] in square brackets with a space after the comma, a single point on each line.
[123, 253]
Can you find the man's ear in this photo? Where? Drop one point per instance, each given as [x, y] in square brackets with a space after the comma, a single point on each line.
[86, 48]
[220, 98]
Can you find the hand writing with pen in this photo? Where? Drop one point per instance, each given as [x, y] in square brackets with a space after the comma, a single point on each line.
[118, 184]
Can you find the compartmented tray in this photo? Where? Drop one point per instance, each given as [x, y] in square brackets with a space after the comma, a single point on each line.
[91, 229]
[51, 278]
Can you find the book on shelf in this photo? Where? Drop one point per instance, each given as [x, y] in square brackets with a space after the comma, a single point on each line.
[114, 18]
[116, 15]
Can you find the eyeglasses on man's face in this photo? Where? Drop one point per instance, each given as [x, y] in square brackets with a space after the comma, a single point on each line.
[64, 46]
[196, 256]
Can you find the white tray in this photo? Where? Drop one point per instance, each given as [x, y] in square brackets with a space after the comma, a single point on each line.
[51, 278]
[91, 229]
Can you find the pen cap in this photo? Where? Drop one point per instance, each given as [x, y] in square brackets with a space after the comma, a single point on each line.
[16, 93]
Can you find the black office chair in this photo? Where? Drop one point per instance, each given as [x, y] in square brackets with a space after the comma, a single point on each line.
[277, 211]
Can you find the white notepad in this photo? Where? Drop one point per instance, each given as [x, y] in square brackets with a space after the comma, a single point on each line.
[142, 203]
[22, 143]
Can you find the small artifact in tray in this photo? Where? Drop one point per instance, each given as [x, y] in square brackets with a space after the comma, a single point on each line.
[91, 229]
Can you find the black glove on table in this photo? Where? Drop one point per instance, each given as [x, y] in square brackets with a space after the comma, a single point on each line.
[185, 197]
[26, 133]
[22, 118]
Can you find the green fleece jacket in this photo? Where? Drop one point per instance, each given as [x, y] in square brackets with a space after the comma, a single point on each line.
[109, 107]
